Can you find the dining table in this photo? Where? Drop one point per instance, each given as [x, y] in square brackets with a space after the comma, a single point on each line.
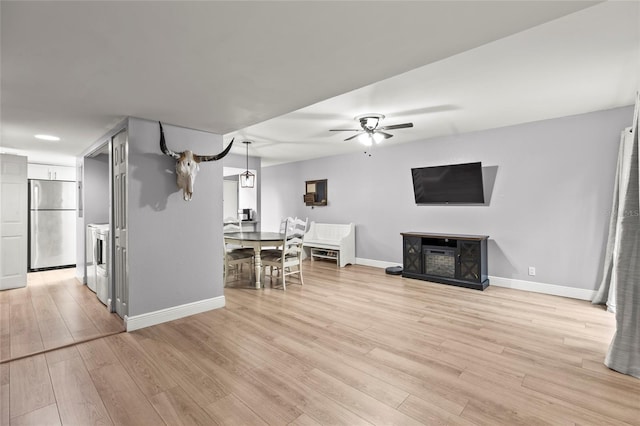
[257, 241]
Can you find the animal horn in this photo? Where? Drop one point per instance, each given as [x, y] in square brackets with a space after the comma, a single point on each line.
[163, 145]
[200, 158]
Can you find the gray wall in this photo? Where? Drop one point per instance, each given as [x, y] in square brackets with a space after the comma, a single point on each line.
[175, 246]
[96, 189]
[95, 200]
[549, 207]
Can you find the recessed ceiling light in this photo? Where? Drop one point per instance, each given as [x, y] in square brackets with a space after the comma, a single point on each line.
[47, 137]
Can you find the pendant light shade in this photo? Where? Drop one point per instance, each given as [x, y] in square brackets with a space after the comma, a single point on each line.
[247, 179]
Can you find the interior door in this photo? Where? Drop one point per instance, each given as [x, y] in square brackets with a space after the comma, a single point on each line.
[230, 199]
[13, 221]
[120, 258]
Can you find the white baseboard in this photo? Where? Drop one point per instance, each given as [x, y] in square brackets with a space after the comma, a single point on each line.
[556, 290]
[175, 312]
[375, 263]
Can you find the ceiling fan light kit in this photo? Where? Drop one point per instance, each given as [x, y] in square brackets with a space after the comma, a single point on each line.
[370, 133]
[369, 121]
[365, 139]
[368, 139]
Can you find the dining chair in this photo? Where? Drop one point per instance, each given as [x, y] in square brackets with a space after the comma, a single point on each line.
[235, 256]
[283, 228]
[287, 260]
[284, 222]
[233, 225]
[233, 261]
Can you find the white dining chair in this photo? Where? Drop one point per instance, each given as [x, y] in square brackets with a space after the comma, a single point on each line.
[235, 256]
[234, 260]
[288, 259]
[232, 225]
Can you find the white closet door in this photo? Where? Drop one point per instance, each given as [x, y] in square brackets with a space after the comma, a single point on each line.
[13, 221]
[120, 267]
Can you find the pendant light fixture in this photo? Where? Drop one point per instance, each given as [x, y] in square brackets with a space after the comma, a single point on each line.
[247, 179]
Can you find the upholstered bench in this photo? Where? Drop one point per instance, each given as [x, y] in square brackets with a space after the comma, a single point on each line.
[331, 241]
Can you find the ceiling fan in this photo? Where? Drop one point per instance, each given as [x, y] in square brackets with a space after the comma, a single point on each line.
[370, 132]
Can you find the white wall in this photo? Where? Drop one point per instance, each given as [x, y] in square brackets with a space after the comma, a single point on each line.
[230, 202]
[248, 198]
[549, 207]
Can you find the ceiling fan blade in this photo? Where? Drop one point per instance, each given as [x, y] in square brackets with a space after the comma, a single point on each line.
[386, 135]
[345, 130]
[396, 126]
[354, 136]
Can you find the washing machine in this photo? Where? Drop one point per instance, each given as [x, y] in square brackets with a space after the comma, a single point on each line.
[98, 260]
[102, 264]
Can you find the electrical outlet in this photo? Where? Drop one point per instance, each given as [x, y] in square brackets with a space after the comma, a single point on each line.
[532, 270]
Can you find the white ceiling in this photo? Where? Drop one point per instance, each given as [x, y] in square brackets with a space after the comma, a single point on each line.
[283, 73]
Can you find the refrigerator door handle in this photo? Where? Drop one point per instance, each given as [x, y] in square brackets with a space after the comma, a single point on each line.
[34, 247]
[35, 202]
[36, 197]
[94, 240]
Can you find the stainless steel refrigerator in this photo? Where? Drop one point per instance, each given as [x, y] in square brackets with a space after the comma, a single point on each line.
[52, 224]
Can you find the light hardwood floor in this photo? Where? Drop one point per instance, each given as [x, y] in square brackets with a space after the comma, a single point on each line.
[353, 346]
[52, 311]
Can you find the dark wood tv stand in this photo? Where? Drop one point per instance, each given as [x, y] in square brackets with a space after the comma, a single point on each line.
[452, 259]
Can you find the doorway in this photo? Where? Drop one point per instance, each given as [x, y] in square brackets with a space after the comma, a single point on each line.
[105, 222]
[237, 199]
[230, 197]
[96, 207]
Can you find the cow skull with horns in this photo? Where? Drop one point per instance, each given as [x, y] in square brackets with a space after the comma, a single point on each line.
[187, 164]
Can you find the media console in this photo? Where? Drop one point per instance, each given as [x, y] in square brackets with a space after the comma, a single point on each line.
[452, 259]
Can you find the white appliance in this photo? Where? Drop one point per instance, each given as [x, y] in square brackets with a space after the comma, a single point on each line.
[98, 260]
[91, 266]
[102, 265]
[52, 224]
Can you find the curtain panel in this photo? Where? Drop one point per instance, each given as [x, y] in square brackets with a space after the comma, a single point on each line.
[620, 286]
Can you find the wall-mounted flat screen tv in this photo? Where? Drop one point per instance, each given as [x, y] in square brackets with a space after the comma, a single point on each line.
[455, 183]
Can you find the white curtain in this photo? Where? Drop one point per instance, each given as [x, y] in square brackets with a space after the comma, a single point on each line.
[620, 287]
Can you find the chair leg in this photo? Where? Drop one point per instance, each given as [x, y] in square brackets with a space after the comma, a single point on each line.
[300, 273]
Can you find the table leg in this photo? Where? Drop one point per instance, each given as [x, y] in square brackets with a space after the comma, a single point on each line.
[258, 263]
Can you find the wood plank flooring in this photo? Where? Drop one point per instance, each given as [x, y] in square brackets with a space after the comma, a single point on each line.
[52, 311]
[353, 346]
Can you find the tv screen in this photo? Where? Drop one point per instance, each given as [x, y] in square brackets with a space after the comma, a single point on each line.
[455, 183]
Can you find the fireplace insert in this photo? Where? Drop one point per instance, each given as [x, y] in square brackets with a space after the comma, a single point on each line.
[439, 261]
